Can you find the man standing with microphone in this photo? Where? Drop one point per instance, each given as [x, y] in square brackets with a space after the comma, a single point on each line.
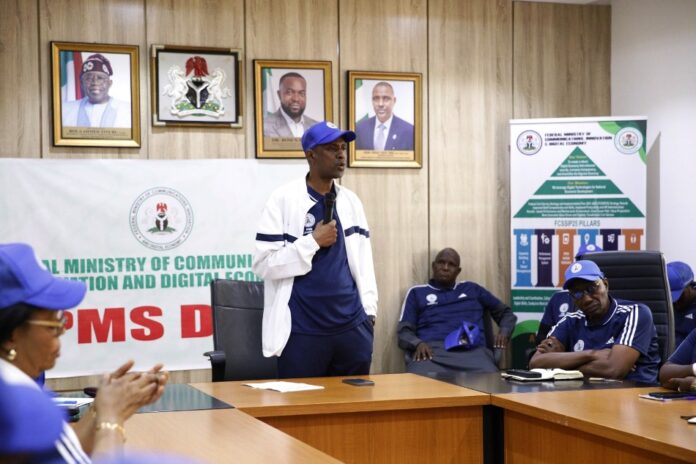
[313, 252]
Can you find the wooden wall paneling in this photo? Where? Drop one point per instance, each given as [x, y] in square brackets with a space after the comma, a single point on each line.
[562, 60]
[201, 23]
[389, 36]
[20, 92]
[470, 104]
[113, 22]
[289, 30]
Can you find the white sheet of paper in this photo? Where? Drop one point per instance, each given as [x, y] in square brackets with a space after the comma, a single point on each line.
[71, 402]
[284, 387]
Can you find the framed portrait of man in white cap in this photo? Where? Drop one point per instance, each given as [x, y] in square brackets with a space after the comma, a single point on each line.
[96, 96]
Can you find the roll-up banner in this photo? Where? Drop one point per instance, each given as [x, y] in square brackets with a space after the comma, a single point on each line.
[573, 182]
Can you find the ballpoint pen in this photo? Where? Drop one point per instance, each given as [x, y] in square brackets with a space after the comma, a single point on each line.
[602, 379]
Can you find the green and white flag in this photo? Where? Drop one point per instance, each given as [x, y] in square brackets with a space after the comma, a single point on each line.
[70, 64]
[362, 101]
[270, 96]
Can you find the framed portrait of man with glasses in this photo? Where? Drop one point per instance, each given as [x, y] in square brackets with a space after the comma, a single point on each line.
[96, 98]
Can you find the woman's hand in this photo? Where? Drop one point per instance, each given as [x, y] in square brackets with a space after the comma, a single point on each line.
[122, 392]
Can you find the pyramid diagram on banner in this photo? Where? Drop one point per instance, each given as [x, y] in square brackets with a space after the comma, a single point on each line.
[578, 164]
[575, 169]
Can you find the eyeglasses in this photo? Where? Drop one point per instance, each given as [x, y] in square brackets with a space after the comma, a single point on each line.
[98, 78]
[57, 326]
[589, 290]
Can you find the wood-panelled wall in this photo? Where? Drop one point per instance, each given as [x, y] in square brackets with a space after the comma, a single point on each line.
[483, 63]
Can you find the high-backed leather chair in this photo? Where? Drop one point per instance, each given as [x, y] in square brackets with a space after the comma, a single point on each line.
[641, 276]
[237, 312]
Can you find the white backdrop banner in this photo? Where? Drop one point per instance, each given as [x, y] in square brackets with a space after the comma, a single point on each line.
[146, 237]
[573, 182]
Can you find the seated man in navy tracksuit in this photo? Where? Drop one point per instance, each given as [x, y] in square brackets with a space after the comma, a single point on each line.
[605, 337]
[445, 307]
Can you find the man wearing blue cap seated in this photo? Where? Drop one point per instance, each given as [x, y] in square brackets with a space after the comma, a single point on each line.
[606, 338]
[442, 322]
[679, 372]
[560, 302]
[682, 286]
[313, 252]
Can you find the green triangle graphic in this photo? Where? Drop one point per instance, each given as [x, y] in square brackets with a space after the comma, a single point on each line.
[578, 164]
[578, 187]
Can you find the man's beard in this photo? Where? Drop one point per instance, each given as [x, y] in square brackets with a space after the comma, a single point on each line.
[293, 114]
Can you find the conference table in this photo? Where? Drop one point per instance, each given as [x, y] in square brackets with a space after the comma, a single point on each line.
[580, 421]
[216, 436]
[401, 418]
[409, 418]
[584, 426]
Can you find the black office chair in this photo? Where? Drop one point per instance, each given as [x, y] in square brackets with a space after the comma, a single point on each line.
[237, 312]
[641, 276]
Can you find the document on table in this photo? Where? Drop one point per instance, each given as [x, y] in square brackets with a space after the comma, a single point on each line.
[284, 386]
[71, 402]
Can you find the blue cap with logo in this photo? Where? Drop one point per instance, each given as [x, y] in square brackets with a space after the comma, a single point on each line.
[24, 280]
[465, 337]
[29, 421]
[587, 248]
[585, 270]
[679, 275]
[324, 132]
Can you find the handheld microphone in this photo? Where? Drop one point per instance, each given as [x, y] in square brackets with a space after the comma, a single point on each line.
[329, 201]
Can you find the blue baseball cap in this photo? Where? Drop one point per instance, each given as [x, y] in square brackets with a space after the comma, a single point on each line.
[585, 270]
[466, 336]
[324, 132]
[29, 421]
[24, 280]
[587, 248]
[679, 275]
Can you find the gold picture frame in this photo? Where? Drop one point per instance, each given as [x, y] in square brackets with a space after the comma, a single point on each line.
[196, 86]
[307, 97]
[96, 95]
[385, 112]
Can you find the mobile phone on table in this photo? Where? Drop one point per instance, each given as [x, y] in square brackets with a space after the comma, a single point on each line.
[524, 373]
[672, 395]
[359, 382]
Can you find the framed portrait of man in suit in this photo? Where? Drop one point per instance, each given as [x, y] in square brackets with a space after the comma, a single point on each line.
[289, 97]
[385, 114]
[96, 95]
